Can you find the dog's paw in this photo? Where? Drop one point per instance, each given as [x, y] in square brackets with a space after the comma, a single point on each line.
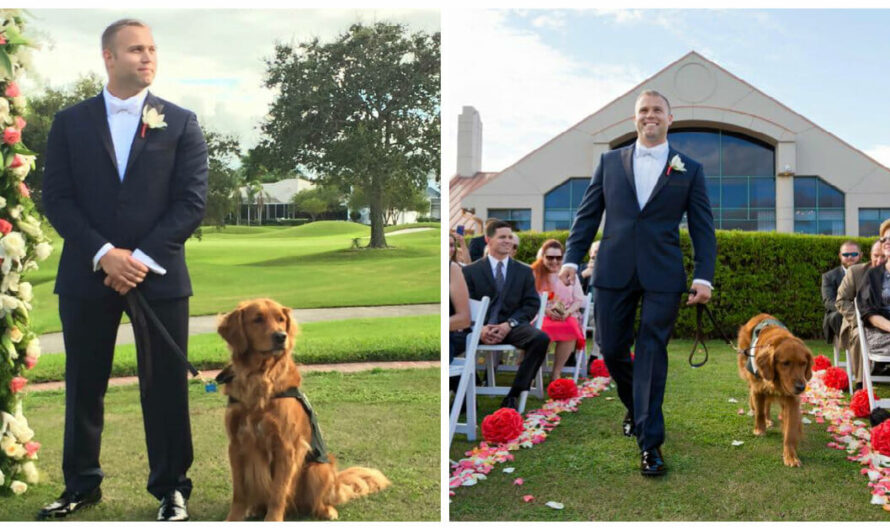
[791, 461]
[327, 512]
[769, 423]
[759, 432]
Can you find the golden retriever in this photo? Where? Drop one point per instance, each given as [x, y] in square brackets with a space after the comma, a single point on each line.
[269, 435]
[784, 365]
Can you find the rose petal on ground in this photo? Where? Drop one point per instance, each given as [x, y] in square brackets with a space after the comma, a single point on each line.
[806, 420]
[509, 470]
[555, 505]
[741, 412]
[518, 482]
[736, 443]
[528, 498]
[733, 400]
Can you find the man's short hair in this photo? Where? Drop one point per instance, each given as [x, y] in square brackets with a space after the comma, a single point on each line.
[111, 31]
[849, 242]
[651, 92]
[884, 226]
[494, 225]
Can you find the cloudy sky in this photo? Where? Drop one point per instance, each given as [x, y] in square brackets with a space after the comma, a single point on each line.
[532, 74]
[209, 61]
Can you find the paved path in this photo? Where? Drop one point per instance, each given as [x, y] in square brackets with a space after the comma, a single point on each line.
[52, 343]
[305, 368]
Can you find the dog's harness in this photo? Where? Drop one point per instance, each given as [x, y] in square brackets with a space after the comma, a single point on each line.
[318, 449]
[755, 335]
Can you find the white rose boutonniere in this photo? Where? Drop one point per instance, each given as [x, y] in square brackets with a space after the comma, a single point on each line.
[677, 165]
[152, 119]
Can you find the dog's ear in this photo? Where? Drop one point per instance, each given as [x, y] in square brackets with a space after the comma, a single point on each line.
[809, 374]
[764, 359]
[231, 329]
[292, 329]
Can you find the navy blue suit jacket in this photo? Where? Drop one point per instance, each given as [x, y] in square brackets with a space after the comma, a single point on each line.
[644, 241]
[155, 209]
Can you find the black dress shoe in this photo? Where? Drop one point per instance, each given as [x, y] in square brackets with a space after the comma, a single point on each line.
[510, 402]
[651, 463]
[173, 507]
[627, 425]
[68, 503]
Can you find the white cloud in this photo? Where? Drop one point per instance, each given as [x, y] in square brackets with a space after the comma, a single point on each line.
[555, 20]
[526, 91]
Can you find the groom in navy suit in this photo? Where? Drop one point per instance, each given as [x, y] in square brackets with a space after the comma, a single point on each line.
[645, 189]
[125, 185]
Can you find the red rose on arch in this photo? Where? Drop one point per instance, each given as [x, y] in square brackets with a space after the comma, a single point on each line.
[880, 438]
[562, 389]
[502, 426]
[821, 362]
[859, 403]
[835, 378]
[12, 90]
[5, 227]
[12, 136]
[598, 368]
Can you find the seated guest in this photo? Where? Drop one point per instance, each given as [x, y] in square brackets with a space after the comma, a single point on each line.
[852, 284]
[477, 244]
[563, 314]
[459, 302]
[874, 300]
[461, 253]
[831, 280]
[515, 246]
[514, 303]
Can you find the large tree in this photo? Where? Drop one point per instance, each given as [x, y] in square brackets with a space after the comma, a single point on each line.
[41, 110]
[360, 112]
[223, 195]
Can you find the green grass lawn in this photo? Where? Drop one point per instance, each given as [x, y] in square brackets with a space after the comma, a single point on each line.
[306, 266]
[592, 469]
[412, 338]
[388, 419]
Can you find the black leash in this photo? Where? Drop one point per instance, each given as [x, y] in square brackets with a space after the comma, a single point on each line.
[700, 335]
[139, 310]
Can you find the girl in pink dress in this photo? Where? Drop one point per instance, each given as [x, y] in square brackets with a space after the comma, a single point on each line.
[564, 305]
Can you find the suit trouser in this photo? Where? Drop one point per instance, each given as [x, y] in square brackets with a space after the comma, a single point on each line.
[641, 382]
[90, 327]
[534, 342]
[849, 339]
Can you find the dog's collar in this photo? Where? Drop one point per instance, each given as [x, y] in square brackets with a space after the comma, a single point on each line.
[755, 335]
[319, 450]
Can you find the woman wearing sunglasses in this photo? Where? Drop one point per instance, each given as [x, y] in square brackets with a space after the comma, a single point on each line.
[874, 300]
[563, 313]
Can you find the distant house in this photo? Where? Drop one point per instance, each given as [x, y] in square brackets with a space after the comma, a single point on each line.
[277, 202]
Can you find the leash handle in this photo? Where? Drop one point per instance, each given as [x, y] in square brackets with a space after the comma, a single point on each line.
[700, 336]
[146, 310]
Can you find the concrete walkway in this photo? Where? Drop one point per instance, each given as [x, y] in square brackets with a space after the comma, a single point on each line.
[52, 343]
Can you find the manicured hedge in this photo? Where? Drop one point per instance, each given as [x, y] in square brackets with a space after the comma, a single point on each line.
[757, 272]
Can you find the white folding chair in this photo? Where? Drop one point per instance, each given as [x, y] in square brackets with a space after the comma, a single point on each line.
[492, 365]
[465, 367]
[590, 326]
[868, 358]
[845, 363]
[580, 353]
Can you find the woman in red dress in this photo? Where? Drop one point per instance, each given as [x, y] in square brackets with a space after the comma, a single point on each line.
[564, 305]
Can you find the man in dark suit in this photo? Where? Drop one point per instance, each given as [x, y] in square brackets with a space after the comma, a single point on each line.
[125, 186]
[646, 188]
[514, 303]
[849, 255]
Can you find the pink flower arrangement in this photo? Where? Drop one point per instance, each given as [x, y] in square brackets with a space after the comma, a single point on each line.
[23, 190]
[20, 123]
[31, 448]
[12, 90]
[17, 384]
[5, 227]
[30, 362]
[12, 136]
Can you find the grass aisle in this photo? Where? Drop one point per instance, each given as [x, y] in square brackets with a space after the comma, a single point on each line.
[594, 471]
[386, 419]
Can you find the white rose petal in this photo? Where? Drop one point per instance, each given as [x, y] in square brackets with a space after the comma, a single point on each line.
[555, 505]
[33, 348]
[13, 245]
[30, 472]
[18, 487]
[733, 400]
[26, 291]
[878, 499]
[509, 470]
[43, 250]
[736, 443]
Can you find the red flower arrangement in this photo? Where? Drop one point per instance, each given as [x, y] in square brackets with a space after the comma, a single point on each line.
[17, 383]
[880, 438]
[598, 368]
[12, 90]
[12, 136]
[821, 362]
[5, 227]
[502, 426]
[835, 378]
[859, 403]
[562, 389]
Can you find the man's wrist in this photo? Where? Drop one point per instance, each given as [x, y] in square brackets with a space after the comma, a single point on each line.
[703, 282]
[573, 266]
[98, 257]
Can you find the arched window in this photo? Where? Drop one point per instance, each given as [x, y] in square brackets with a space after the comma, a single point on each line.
[561, 202]
[739, 173]
[818, 207]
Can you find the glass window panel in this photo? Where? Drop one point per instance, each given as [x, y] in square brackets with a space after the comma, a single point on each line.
[763, 193]
[830, 197]
[735, 213]
[804, 192]
[739, 224]
[701, 145]
[805, 215]
[735, 192]
[713, 185]
[521, 215]
[805, 227]
[869, 214]
[870, 220]
[559, 197]
[831, 227]
[831, 215]
[579, 186]
[742, 156]
[559, 215]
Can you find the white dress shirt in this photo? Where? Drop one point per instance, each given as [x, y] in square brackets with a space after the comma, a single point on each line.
[494, 266]
[124, 116]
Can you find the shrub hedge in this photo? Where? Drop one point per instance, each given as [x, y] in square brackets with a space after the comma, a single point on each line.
[757, 272]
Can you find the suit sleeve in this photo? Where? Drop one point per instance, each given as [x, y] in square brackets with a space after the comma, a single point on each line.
[59, 200]
[587, 219]
[188, 194]
[844, 300]
[701, 227]
[531, 301]
[829, 291]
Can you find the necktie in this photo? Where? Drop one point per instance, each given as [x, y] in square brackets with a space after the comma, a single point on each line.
[130, 106]
[495, 309]
[499, 277]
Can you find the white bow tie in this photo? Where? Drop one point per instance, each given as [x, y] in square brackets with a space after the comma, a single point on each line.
[642, 151]
[130, 106]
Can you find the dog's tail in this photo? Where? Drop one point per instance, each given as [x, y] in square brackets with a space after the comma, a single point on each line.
[357, 482]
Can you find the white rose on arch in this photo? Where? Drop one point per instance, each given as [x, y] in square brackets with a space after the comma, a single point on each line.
[43, 250]
[30, 226]
[26, 291]
[5, 117]
[13, 246]
[30, 472]
[10, 282]
[18, 487]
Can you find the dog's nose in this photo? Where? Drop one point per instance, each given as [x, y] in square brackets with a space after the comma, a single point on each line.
[799, 387]
[279, 337]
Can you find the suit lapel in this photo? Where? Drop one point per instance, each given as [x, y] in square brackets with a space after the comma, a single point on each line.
[663, 179]
[489, 277]
[139, 140]
[627, 160]
[100, 123]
